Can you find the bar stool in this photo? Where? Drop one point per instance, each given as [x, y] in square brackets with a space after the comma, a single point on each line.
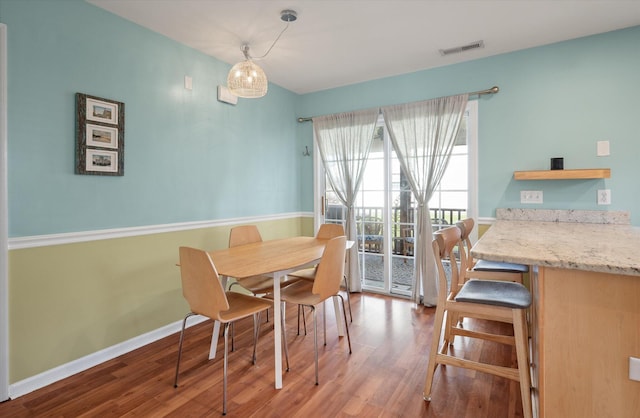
[502, 301]
[484, 269]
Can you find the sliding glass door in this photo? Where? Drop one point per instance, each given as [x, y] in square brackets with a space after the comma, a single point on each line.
[385, 208]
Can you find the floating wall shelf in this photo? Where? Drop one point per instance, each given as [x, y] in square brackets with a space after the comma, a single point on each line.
[587, 173]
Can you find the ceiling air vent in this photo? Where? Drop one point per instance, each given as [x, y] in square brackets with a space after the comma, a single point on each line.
[463, 48]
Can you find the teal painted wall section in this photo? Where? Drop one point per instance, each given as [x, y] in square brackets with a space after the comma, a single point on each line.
[555, 101]
[188, 157]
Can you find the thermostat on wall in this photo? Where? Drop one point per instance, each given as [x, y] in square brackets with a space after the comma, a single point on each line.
[225, 96]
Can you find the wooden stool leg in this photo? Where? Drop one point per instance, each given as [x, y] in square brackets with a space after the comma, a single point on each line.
[431, 369]
[521, 335]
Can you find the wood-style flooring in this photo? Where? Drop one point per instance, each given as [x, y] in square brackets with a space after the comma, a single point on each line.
[383, 377]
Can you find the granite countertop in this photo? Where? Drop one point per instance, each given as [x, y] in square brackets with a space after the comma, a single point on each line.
[606, 248]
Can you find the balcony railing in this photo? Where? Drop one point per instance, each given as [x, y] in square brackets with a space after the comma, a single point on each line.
[370, 224]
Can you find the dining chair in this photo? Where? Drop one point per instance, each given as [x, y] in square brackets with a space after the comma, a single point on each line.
[256, 285]
[326, 284]
[202, 289]
[496, 300]
[326, 231]
[480, 269]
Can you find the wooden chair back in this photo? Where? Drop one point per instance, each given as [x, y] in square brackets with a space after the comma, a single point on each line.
[201, 285]
[244, 234]
[330, 270]
[444, 242]
[466, 226]
[328, 231]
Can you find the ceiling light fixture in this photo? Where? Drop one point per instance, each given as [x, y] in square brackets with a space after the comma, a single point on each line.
[246, 79]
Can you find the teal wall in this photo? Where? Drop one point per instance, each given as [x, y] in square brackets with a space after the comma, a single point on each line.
[188, 157]
[554, 101]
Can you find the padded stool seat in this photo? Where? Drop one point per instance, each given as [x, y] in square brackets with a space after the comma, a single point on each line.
[485, 269]
[496, 293]
[486, 265]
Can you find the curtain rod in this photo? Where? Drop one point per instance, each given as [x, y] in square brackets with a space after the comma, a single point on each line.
[492, 90]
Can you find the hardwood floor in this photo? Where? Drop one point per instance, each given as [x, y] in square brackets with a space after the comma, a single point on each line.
[383, 377]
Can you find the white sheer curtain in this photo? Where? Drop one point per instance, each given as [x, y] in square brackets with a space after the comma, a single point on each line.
[423, 136]
[344, 141]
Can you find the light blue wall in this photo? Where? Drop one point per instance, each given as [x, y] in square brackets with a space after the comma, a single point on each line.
[554, 101]
[188, 157]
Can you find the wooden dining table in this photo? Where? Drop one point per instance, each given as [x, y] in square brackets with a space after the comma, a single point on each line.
[275, 258]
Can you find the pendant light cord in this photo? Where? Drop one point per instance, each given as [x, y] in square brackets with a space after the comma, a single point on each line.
[270, 48]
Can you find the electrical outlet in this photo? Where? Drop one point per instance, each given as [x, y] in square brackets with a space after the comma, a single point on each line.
[604, 197]
[634, 368]
[531, 196]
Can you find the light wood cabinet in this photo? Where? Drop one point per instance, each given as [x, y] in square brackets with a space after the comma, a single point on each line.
[585, 326]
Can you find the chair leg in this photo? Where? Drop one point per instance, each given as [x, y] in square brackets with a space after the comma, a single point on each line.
[348, 291]
[431, 368]
[184, 323]
[284, 337]
[224, 376]
[346, 324]
[304, 319]
[520, 332]
[256, 333]
[315, 339]
[324, 320]
[233, 334]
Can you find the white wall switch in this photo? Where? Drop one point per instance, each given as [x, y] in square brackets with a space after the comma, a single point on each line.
[602, 148]
[634, 368]
[531, 196]
[225, 96]
[604, 197]
[188, 82]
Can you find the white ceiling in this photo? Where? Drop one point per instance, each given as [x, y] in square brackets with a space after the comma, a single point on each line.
[340, 42]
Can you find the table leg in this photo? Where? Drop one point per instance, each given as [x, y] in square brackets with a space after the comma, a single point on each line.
[277, 329]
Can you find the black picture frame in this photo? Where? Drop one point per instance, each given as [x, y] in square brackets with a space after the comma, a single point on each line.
[99, 136]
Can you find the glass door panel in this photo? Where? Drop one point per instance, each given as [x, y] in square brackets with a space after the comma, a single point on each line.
[385, 209]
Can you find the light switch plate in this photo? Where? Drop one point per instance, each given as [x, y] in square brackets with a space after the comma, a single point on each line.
[602, 148]
[188, 82]
[225, 96]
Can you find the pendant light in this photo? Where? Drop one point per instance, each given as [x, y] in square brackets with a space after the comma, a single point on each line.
[246, 79]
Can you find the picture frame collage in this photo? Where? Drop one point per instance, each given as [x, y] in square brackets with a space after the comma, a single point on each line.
[100, 136]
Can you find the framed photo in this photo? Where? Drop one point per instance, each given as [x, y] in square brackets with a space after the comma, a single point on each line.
[102, 136]
[101, 161]
[102, 111]
[99, 136]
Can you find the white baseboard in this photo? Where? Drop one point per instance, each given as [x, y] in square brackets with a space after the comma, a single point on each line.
[69, 369]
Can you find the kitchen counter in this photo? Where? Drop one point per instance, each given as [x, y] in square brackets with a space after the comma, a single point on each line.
[585, 315]
[605, 248]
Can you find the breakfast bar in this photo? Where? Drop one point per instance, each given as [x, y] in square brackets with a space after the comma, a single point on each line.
[585, 316]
